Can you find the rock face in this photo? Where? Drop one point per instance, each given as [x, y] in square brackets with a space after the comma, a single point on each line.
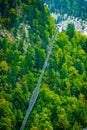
[69, 11]
[79, 24]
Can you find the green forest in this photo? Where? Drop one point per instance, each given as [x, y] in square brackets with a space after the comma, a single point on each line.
[26, 30]
[76, 8]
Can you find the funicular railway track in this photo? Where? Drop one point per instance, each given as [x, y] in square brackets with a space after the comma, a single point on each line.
[36, 91]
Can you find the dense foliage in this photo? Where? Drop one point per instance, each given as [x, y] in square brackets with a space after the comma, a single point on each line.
[76, 8]
[62, 101]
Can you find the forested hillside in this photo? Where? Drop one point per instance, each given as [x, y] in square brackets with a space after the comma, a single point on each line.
[26, 30]
[76, 8]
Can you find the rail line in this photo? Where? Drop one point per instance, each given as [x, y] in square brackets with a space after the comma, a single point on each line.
[36, 91]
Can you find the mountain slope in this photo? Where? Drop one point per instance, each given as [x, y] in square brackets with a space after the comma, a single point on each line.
[76, 8]
[25, 36]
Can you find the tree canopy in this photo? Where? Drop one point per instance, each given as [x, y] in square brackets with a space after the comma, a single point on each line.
[26, 34]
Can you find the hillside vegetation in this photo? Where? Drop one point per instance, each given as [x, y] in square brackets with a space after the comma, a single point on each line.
[25, 36]
[76, 8]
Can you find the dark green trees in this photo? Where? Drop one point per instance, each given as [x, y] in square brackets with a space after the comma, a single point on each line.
[27, 28]
[62, 101]
[76, 8]
[70, 30]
